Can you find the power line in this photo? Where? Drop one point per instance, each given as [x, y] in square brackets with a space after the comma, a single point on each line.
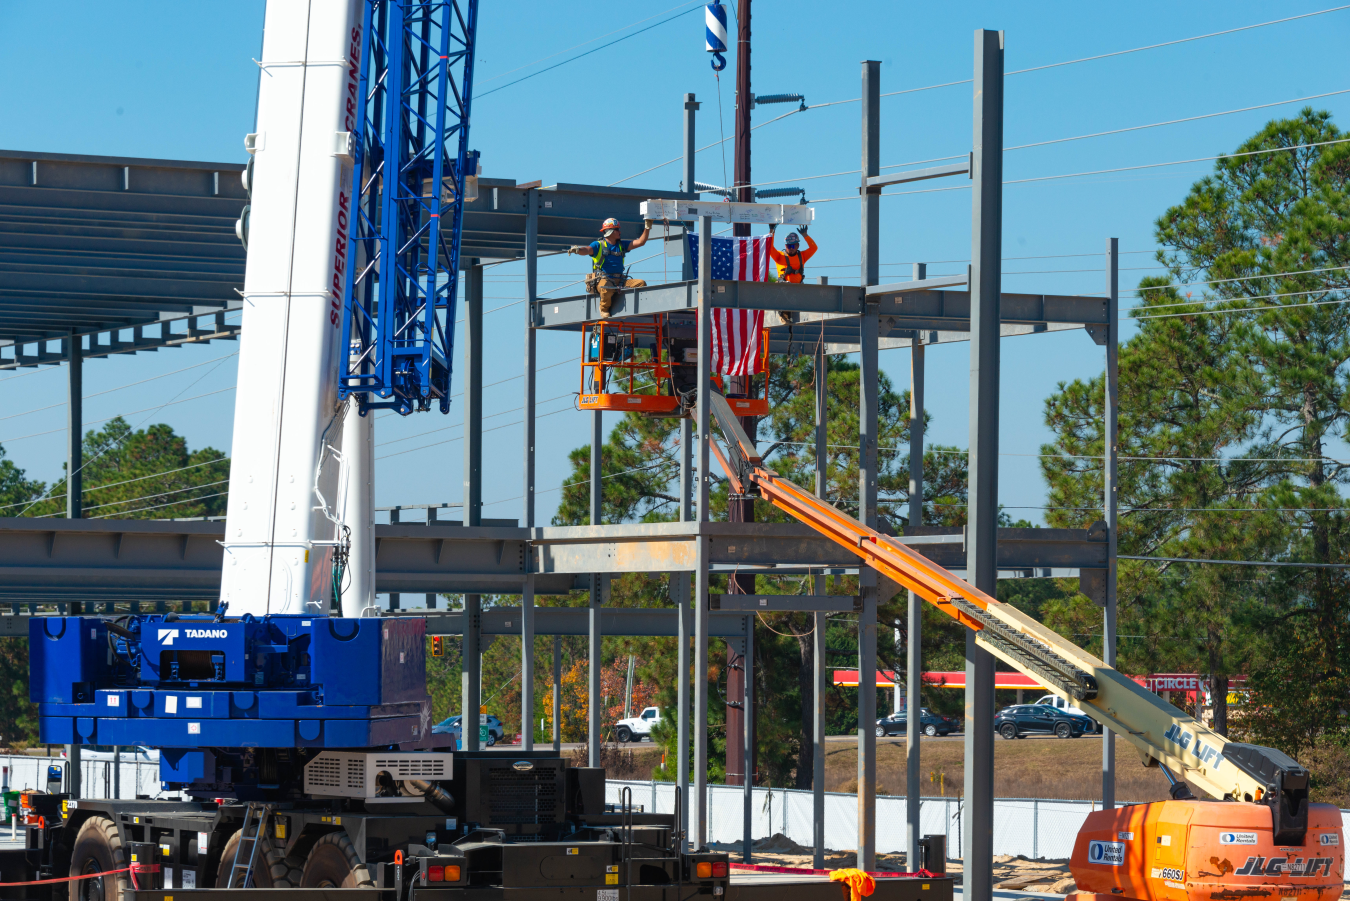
[116, 415]
[1199, 37]
[587, 53]
[1261, 563]
[1230, 112]
[582, 44]
[1018, 181]
[157, 506]
[122, 387]
[146, 497]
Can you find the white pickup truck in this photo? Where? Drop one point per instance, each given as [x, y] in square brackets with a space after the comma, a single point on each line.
[638, 727]
[1060, 704]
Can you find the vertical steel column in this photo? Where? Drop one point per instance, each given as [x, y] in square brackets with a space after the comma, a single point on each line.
[431, 595]
[869, 332]
[593, 721]
[557, 694]
[471, 678]
[748, 736]
[1111, 490]
[471, 675]
[531, 295]
[680, 594]
[914, 659]
[473, 394]
[74, 486]
[700, 779]
[821, 623]
[75, 427]
[395, 598]
[982, 561]
[527, 664]
[527, 590]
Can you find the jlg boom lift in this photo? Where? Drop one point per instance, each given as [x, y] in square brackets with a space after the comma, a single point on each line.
[1258, 838]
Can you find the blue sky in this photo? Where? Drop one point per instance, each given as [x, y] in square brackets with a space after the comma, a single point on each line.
[176, 80]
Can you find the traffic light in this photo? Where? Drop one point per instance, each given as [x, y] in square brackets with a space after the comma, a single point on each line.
[437, 646]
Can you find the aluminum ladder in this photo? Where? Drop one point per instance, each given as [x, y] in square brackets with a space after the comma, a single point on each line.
[255, 815]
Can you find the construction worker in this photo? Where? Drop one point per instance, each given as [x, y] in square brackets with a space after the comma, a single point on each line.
[607, 255]
[792, 260]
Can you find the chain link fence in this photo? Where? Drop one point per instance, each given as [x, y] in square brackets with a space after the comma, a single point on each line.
[139, 777]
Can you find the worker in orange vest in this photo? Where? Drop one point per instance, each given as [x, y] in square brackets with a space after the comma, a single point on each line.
[791, 261]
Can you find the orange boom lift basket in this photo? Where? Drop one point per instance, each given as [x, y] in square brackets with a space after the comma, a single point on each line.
[620, 359]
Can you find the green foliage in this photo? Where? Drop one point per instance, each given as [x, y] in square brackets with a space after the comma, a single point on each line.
[128, 474]
[1225, 420]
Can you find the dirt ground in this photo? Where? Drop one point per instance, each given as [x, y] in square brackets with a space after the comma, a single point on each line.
[1013, 873]
[1027, 768]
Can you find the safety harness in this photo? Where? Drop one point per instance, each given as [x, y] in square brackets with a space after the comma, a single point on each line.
[598, 260]
[788, 267]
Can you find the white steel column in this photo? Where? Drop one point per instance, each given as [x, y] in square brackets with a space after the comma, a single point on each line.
[821, 682]
[357, 507]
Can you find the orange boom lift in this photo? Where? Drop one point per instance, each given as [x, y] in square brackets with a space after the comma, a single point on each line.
[1258, 838]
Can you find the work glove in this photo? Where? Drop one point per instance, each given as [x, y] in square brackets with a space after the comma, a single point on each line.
[773, 227]
[578, 249]
[802, 229]
[647, 223]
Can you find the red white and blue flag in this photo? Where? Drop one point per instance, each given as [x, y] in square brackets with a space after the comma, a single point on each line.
[736, 341]
[736, 259]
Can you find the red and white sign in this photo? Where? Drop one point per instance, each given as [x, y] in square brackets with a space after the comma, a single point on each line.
[887, 678]
[1172, 682]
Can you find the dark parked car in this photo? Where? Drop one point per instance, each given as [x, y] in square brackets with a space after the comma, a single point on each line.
[897, 723]
[1022, 720]
[496, 731]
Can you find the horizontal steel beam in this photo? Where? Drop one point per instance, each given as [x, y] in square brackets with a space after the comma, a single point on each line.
[874, 183]
[783, 603]
[658, 622]
[836, 306]
[59, 559]
[917, 285]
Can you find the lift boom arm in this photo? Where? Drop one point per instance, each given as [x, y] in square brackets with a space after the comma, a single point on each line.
[1160, 732]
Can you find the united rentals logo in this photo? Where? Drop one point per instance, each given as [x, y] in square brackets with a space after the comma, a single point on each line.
[1329, 838]
[1237, 838]
[1107, 854]
[1258, 866]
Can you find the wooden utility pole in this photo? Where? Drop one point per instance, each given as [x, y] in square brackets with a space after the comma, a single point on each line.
[740, 510]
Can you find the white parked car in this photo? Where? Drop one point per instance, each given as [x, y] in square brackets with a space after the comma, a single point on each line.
[1060, 704]
[638, 727]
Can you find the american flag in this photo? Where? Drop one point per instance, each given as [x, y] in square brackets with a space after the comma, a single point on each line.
[736, 259]
[735, 340]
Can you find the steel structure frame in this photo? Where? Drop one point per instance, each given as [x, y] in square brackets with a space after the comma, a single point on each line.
[412, 173]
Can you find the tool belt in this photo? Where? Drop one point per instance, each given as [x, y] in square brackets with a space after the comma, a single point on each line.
[593, 281]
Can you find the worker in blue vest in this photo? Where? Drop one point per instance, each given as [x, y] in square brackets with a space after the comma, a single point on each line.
[608, 274]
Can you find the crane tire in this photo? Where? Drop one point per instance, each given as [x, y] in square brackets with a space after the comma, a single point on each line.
[274, 870]
[98, 848]
[334, 863]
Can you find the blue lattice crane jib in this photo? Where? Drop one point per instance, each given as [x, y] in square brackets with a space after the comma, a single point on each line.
[413, 172]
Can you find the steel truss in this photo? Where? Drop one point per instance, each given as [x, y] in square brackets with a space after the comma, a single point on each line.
[413, 171]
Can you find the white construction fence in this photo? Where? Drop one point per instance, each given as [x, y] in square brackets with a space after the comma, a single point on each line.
[1029, 826]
